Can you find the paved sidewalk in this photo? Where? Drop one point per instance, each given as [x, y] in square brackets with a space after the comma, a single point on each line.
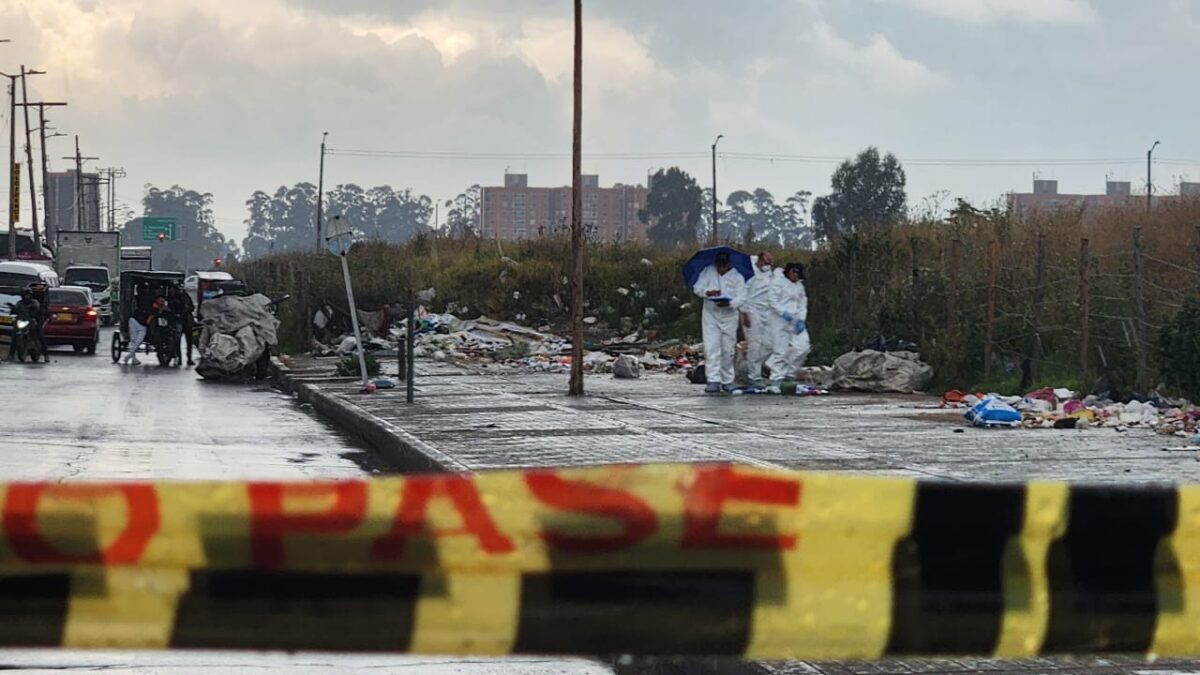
[484, 419]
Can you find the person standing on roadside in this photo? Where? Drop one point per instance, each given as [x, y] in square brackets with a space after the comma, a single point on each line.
[183, 307]
[789, 315]
[756, 318]
[41, 293]
[722, 288]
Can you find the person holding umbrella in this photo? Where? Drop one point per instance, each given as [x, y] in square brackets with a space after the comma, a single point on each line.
[722, 287]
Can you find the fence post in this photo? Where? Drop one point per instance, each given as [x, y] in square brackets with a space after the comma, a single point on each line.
[409, 338]
[1084, 263]
[853, 271]
[1139, 300]
[991, 308]
[916, 292]
[1197, 227]
[952, 290]
[1039, 292]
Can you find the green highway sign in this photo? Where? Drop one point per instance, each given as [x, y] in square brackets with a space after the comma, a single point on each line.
[153, 227]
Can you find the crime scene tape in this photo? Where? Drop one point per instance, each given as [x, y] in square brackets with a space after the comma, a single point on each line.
[654, 559]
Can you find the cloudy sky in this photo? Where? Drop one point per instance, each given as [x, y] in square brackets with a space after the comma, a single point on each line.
[231, 96]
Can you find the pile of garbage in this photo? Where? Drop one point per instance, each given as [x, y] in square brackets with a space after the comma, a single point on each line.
[1059, 408]
[485, 342]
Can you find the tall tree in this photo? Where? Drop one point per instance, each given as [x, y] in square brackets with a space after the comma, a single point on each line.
[463, 216]
[868, 193]
[197, 240]
[673, 208]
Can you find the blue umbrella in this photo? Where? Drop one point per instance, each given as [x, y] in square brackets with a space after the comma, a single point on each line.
[705, 257]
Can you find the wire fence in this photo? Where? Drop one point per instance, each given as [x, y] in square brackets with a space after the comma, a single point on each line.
[992, 296]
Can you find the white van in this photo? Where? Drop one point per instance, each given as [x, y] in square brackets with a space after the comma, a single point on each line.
[14, 274]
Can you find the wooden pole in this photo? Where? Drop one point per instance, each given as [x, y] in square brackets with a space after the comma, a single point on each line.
[952, 290]
[1084, 263]
[576, 383]
[1039, 293]
[918, 328]
[1139, 300]
[991, 308]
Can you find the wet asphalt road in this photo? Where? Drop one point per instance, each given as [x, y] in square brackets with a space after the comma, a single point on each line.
[84, 417]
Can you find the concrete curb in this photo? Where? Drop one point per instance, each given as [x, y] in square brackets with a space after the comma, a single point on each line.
[400, 448]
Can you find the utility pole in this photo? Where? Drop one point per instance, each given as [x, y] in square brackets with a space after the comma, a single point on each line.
[110, 217]
[29, 154]
[12, 163]
[51, 232]
[79, 199]
[713, 237]
[1149, 182]
[575, 386]
[321, 189]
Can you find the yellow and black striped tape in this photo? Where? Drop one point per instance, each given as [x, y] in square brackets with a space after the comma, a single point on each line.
[670, 559]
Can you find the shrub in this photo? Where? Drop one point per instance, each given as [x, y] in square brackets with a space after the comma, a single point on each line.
[348, 367]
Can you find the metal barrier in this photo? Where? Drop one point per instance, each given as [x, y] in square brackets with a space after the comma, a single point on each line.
[665, 559]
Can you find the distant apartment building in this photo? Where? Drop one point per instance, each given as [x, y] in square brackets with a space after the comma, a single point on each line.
[517, 211]
[1046, 198]
[64, 211]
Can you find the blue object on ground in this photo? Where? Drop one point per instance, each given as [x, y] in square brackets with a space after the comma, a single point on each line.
[992, 412]
[385, 383]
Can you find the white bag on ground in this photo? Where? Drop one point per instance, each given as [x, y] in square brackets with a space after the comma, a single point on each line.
[236, 330]
[869, 370]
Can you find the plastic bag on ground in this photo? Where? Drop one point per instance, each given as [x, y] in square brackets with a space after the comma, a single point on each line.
[869, 370]
[992, 412]
[626, 368]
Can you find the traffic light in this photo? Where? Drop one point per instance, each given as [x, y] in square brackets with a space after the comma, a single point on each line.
[216, 262]
[162, 236]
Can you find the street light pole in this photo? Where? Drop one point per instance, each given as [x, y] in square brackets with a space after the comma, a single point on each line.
[1149, 183]
[713, 236]
[321, 188]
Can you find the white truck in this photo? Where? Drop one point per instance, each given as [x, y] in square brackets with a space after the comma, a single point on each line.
[91, 259]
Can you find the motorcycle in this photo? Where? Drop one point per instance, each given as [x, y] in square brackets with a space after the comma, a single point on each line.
[23, 342]
[168, 329]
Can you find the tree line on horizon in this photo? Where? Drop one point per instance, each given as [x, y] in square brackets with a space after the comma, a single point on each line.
[866, 192]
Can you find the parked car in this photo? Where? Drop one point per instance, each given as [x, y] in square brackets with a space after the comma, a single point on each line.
[99, 281]
[72, 319]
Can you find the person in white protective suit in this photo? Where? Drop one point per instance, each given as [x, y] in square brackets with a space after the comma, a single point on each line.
[756, 318]
[789, 304]
[723, 289]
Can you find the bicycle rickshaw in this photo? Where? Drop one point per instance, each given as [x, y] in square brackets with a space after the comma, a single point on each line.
[139, 288]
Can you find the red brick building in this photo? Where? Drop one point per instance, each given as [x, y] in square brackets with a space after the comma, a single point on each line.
[517, 211]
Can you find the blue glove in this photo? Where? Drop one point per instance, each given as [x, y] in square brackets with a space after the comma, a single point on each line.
[800, 326]
[787, 316]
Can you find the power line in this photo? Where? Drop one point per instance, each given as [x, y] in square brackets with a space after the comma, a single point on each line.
[752, 156]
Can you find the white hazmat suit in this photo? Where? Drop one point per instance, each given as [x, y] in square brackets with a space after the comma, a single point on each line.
[760, 335]
[720, 324]
[789, 304]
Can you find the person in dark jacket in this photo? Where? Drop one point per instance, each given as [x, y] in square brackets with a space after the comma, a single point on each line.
[183, 307]
[41, 293]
